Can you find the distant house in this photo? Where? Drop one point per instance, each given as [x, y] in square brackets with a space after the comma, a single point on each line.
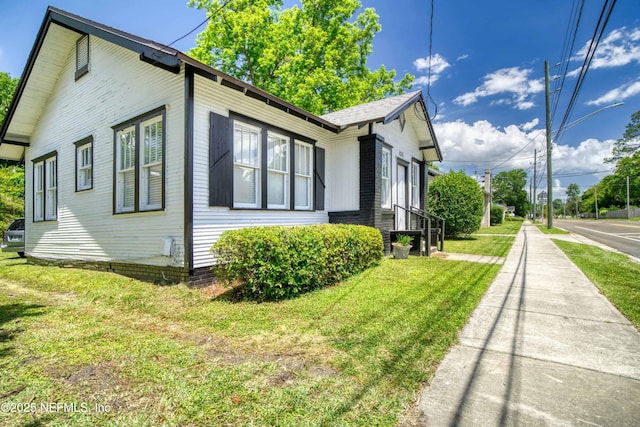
[137, 157]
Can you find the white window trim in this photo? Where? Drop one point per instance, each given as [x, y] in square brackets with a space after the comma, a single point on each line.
[84, 170]
[146, 168]
[386, 179]
[38, 191]
[122, 171]
[45, 188]
[309, 178]
[51, 189]
[256, 168]
[415, 185]
[137, 165]
[283, 173]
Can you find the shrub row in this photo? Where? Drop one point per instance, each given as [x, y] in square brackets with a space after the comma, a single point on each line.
[274, 263]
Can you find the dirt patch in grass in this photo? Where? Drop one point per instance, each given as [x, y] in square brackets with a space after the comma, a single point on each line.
[102, 383]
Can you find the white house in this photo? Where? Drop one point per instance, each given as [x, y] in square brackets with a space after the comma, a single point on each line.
[138, 157]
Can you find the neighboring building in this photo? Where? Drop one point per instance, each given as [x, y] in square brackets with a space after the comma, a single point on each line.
[138, 157]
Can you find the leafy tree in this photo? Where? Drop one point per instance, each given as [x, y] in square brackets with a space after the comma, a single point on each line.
[7, 88]
[558, 207]
[314, 57]
[11, 194]
[509, 189]
[573, 199]
[630, 141]
[458, 199]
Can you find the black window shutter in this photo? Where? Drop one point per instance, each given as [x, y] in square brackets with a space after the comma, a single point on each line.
[220, 161]
[319, 178]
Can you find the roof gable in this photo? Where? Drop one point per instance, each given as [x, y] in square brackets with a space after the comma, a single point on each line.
[60, 29]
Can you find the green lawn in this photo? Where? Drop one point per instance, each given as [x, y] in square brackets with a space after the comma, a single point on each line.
[617, 277]
[481, 244]
[353, 354]
[555, 230]
[509, 226]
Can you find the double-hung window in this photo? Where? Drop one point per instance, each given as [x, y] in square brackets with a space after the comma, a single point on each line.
[272, 168]
[84, 164]
[277, 171]
[140, 164]
[385, 188]
[246, 166]
[45, 188]
[303, 179]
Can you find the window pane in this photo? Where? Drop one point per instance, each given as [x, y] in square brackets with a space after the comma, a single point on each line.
[276, 188]
[302, 192]
[127, 140]
[245, 186]
[128, 189]
[153, 142]
[154, 190]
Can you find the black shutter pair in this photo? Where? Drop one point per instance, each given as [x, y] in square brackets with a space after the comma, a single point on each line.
[221, 165]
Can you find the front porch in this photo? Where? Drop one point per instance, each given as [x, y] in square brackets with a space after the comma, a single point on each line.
[426, 229]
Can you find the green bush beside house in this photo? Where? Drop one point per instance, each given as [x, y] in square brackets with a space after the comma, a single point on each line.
[276, 262]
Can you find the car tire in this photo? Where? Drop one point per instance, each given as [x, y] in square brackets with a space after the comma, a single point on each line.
[21, 254]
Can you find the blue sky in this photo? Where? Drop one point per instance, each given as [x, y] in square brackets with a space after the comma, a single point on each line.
[487, 70]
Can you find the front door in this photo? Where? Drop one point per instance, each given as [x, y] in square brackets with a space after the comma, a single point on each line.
[401, 220]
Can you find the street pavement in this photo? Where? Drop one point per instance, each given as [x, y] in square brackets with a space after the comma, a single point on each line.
[543, 348]
[624, 236]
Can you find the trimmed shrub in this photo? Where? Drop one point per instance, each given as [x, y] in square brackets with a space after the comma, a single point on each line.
[497, 215]
[458, 199]
[274, 263]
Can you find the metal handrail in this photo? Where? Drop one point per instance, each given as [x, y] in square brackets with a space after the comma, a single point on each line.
[425, 218]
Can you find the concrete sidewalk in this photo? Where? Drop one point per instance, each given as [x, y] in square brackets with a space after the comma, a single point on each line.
[543, 347]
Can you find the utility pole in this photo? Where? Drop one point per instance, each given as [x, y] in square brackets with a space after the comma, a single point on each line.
[535, 176]
[595, 191]
[530, 197]
[628, 205]
[549, 169]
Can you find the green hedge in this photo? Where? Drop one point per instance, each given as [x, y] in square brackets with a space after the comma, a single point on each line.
[497, 215]
[274, 263]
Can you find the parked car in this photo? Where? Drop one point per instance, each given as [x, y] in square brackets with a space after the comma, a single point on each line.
[13, 238]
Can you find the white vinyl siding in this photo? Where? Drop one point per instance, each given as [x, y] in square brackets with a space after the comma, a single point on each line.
[246, 166]
[84, 161]
[277, 171]
[151, 175]
[86, 228]
[38, 191]
[126, 162]
[303, 176]
[415, 185]
[385, 190]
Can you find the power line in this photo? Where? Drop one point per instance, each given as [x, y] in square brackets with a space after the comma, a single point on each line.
[567, 52]
[605, 14]
[208, 18]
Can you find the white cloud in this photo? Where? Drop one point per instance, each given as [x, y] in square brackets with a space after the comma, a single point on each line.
[462, 57]
[438, 65]
[482, 145]
[618, 94]
[529, 125]
[512, 81]
[619, 48]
